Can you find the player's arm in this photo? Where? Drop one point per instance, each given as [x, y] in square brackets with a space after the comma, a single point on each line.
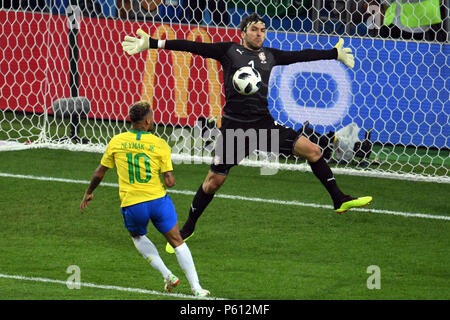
[133, 45]
[166, 167]
[169, 179]
[338, 52]
[97, 177]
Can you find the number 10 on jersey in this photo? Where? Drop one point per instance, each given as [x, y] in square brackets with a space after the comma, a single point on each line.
[134, 167]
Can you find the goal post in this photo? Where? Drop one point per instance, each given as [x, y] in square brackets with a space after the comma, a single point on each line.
[65, 81]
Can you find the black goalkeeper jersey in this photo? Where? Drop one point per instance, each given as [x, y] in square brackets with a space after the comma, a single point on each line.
[233, 56]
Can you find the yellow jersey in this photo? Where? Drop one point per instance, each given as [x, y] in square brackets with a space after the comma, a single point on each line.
[139, 157]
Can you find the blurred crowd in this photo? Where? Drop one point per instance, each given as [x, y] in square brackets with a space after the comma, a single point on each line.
[398, 19]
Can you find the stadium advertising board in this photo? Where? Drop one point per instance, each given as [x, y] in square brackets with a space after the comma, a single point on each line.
[33, 60]
[398, 88]
[35, 68]
[179, 86]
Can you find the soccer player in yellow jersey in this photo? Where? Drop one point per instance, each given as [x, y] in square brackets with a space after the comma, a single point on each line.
[140, 157]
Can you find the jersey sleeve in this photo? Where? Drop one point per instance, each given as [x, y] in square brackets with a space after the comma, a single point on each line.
[166, 161]
[206, 50]
[108, 156]
[287, 57]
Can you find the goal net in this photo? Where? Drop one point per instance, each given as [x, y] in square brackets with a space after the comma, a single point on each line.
[65, 81]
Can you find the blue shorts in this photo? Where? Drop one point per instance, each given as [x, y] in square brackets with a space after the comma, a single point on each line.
[161, 211]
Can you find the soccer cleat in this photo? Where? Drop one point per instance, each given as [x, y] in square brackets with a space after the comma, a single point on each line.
[349, 203]
[200, 292]
[171, 282]
[170, 249]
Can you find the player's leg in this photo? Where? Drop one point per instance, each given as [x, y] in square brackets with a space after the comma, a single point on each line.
[164, 218]
[136, 219]
[150, 253]
[313, 154]
[213, 181]
[227, 144]
[202, 198]
[185, 260]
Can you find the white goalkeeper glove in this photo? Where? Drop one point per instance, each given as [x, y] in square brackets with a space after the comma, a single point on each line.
[345, 54]
[132, 45]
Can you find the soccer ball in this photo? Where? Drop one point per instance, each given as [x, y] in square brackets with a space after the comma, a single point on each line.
[246, 80]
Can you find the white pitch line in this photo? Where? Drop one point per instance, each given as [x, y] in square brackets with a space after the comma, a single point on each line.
[108, 287]
[235, 197]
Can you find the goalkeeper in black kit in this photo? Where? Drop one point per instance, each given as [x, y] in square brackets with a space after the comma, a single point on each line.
[245, 113]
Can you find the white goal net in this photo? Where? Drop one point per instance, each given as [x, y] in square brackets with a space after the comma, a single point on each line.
[65, 81]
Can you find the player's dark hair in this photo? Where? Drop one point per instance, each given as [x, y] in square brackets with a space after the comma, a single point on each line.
[253, 18]
[139, 111]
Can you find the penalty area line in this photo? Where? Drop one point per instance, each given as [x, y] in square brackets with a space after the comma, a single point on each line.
[107, 287]
[242, 198]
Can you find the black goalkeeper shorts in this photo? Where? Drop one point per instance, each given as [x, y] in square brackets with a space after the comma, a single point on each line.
[237, 140]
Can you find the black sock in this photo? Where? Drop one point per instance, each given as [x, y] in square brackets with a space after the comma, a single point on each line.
[322, 171]
[199, 204]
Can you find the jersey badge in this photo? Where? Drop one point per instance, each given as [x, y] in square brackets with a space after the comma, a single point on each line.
[262, 57]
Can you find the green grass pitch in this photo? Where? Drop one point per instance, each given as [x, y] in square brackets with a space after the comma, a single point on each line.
[242, 249]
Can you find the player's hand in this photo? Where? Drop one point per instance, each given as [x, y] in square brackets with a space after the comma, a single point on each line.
[86, 199]
[132, 45]
[345, 54]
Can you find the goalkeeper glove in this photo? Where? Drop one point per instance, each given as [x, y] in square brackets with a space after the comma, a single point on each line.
[132, 45]
[345, 54]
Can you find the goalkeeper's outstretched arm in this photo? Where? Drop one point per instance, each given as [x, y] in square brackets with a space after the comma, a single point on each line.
[338, 52]
[133, 45]
[345, 55]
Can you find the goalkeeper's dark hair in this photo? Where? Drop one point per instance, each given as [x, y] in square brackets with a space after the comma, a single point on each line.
[248, 20]
[139, 111]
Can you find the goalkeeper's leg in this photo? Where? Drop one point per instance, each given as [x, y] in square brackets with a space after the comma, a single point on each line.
[311, 152]
[202, 198]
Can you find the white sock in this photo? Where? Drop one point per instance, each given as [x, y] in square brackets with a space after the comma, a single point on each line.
[150, 253]
[187, 264]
